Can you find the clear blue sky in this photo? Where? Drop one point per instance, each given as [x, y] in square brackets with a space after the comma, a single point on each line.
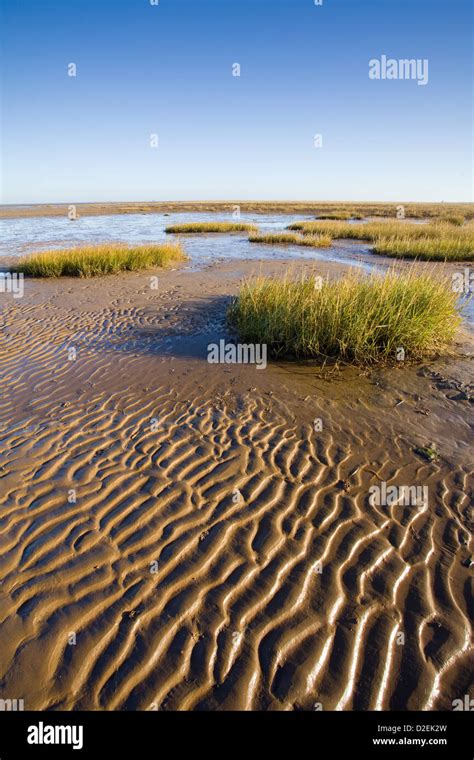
[167, 69]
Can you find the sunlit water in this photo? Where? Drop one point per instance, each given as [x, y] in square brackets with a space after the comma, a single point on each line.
[20, 236]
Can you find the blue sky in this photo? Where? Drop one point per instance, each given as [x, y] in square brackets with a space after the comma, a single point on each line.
[167, 70]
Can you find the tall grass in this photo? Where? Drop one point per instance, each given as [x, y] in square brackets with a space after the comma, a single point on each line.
[194, 227]
[453, 248]
[360, 318]
[289, 238]
[89, 261]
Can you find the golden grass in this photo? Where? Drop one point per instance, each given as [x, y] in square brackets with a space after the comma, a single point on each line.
[366, 231]
[436, 240]
[289, 238]
[341, 215]
[89, 261]
[453, 248]
[360, 318]
[337, 215]
[457, 219]
[199, 227]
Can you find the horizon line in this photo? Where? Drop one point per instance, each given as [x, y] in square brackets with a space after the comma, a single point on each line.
[227, 200]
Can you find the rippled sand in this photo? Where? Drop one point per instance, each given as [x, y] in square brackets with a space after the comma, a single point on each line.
[217, 551]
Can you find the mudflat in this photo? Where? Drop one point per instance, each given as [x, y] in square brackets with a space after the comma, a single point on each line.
[177, 534]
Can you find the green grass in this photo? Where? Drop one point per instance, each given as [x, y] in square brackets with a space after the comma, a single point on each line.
[452, 248]
[89, 261]
[360, 318]
[289, 238]
[195, 227]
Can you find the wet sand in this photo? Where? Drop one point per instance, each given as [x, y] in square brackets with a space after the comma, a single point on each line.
[177, 535]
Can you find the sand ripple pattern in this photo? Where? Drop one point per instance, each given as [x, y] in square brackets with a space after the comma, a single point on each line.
[216, 554]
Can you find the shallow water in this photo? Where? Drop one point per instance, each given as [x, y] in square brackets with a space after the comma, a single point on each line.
[19, 236]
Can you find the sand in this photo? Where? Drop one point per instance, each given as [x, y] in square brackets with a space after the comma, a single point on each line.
[177, 535]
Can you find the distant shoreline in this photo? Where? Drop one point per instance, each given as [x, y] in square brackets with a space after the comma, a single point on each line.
[389, 209]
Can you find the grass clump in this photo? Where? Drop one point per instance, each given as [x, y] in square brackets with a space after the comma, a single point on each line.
[342, 216]
[367, 231]
[433, 241]
[194, 227]
[338, 215]
[289, 238]
[427, 452]
[456, 219]
[360, 318]
[90, 261]
[448, 248]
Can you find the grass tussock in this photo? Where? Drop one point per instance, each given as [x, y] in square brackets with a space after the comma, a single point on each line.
[359, 319]
[456, 219]
[341, 215]
[196, 227]
[338, 215]
[436, 240]
[290, 238]
[90, 261]
[367, 231]
[452, 248]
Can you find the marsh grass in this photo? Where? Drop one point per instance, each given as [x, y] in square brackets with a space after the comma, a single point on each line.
[90, 261]
[367, 231]
[340, 215]
[360, 318]
[315, 208]
[456, 219]
[436, 240]
[449, 248]
[196, 227]
[290, 238]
